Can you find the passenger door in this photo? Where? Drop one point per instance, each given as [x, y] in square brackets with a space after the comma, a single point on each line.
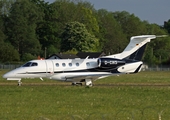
[49, 67]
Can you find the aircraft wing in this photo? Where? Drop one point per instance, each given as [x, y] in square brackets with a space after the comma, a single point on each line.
[80, 78]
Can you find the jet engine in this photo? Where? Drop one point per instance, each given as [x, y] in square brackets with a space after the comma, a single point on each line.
[109, 62]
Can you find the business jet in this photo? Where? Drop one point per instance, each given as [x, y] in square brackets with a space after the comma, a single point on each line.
[86, 70]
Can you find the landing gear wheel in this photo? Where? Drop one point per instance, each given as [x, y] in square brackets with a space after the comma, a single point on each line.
[73, 83]
[77, 84]
[88, 82]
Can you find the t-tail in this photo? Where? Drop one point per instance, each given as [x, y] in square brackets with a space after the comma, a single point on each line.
[133, 53]
[135, 49]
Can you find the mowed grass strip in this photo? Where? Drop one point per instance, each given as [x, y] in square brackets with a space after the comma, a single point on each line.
[98, 102]
[68, 102]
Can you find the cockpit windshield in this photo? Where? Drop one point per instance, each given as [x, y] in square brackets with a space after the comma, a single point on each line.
[29, 64]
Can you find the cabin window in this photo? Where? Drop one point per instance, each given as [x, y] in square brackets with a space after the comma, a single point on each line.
[77, 64]
[63, 64]
[70, 64]
[88, 64]
[57, 65]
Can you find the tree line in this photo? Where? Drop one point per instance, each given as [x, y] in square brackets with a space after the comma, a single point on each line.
[29, 28]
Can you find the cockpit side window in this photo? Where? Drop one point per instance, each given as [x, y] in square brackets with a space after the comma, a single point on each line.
[27, 64]
[34, 64]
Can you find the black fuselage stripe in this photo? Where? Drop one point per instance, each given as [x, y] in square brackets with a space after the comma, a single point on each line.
[75, 71]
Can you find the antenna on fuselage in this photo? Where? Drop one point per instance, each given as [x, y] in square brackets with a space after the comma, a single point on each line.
[87, 57]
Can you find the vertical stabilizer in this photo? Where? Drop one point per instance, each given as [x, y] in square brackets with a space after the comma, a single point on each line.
[137, 55]
[135, 48]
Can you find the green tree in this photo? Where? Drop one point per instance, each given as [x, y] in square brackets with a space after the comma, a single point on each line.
[84, 12]
[76, 37]
[65, 11]
[112, 39]
[5, 6]
[27, 57]
[51, 50]
[130, 24]
[21, 27]
[158, 50]
[87, 17]
[2, 35]
[8, 53]
[167, 26]
[47, 29]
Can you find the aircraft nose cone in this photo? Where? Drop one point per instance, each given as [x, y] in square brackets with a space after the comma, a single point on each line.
[11, 76]
[5, 75]
[8, 75]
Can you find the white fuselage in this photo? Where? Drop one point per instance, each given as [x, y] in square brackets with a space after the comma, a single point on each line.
[66, 69]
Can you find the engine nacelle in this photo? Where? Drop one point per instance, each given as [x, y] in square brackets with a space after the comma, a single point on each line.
[109, 62]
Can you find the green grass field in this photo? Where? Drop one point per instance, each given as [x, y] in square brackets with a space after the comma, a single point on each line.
[113, 98]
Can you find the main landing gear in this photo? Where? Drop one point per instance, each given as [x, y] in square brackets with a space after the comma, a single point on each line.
[88, 83]
[77, 84]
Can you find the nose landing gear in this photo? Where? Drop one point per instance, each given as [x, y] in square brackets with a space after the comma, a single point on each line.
[19, 83]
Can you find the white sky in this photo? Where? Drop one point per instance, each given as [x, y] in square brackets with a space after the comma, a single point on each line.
[153, 11]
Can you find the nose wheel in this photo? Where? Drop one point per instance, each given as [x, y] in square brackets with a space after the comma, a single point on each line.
[19, 83]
